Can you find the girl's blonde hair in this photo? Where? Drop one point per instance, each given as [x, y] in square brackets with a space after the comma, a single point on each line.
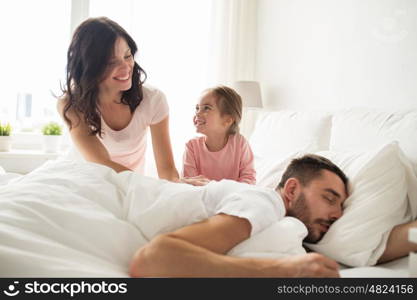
[229, 103]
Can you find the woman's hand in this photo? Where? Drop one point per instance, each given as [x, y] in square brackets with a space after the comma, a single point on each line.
[199, 180]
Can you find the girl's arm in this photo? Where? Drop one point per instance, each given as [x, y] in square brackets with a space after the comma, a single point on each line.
[246, 168]
[162, 151]
[89, 145]
[190, 172]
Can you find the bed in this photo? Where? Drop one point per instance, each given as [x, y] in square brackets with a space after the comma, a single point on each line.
[76, 219]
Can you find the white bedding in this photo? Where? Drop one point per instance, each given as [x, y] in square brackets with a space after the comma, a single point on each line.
[53, 224]
[75, 219]
[50, 227]
[5, 177]
[354, 132]
[392, 269]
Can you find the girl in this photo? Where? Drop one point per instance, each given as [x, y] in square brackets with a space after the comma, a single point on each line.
[107, 107]
[221, 153]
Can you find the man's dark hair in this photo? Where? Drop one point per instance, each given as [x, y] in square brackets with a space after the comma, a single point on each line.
[308, 168]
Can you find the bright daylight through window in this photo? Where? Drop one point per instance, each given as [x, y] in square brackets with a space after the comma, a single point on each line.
[173, 48]
[35, 36]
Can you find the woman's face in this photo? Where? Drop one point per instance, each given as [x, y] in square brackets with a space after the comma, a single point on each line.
[118, 74]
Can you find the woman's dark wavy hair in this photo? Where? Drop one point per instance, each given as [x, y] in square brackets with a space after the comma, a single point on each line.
[91, 48]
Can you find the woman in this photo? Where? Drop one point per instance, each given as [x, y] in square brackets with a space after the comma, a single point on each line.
[106, 105]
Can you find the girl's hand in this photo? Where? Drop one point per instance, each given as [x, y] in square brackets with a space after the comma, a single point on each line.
[199, 180]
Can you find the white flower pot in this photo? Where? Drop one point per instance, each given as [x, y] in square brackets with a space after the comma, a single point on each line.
[51, 143]
[5, 143]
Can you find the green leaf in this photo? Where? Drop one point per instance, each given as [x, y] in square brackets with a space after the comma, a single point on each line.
[52, 128]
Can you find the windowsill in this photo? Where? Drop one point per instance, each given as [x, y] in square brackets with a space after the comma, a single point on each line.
[24, 161]
[26, 153]
[26, 140]
[33, 142]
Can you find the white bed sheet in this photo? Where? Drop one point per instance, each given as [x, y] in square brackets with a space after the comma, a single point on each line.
[75, 219]
[395, 268]
[53, 225]
[6, 177]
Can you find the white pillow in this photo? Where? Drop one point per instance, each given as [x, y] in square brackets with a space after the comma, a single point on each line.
[269, 170]
[283, 238]
[350, 128]
[377, 202]
[280, 133]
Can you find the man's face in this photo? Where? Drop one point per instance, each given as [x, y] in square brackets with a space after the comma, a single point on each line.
[319, 204]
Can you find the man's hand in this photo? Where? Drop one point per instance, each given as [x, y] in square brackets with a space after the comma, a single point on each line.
[309, 265]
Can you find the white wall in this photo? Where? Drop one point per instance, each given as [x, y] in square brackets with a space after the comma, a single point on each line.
[330, 54]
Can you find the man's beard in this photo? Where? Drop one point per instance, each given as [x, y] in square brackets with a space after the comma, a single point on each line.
[302, 211]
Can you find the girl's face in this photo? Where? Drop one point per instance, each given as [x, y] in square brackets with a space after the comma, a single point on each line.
[118, 74]
[208, 119]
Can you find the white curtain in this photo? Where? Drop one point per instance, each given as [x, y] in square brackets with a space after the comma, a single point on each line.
[233, 41]
[233, 48]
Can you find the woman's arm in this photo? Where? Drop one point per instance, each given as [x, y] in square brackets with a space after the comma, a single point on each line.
[162, 151]
[88, 145]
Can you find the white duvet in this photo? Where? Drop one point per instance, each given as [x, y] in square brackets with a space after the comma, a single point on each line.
[74, 219]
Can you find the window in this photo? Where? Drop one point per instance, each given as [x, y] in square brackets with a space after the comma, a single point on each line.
[35, 36]
[173, 43]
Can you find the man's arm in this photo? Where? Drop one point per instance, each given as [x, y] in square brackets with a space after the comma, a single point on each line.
[398, 244]
[199, 250]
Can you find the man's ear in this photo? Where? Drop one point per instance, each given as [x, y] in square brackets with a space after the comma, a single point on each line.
[291, 190]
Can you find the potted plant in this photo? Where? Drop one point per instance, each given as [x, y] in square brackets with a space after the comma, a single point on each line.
[5, 138]
[52, 133]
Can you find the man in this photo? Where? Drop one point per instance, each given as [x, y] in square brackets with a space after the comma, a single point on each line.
[312, 189]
